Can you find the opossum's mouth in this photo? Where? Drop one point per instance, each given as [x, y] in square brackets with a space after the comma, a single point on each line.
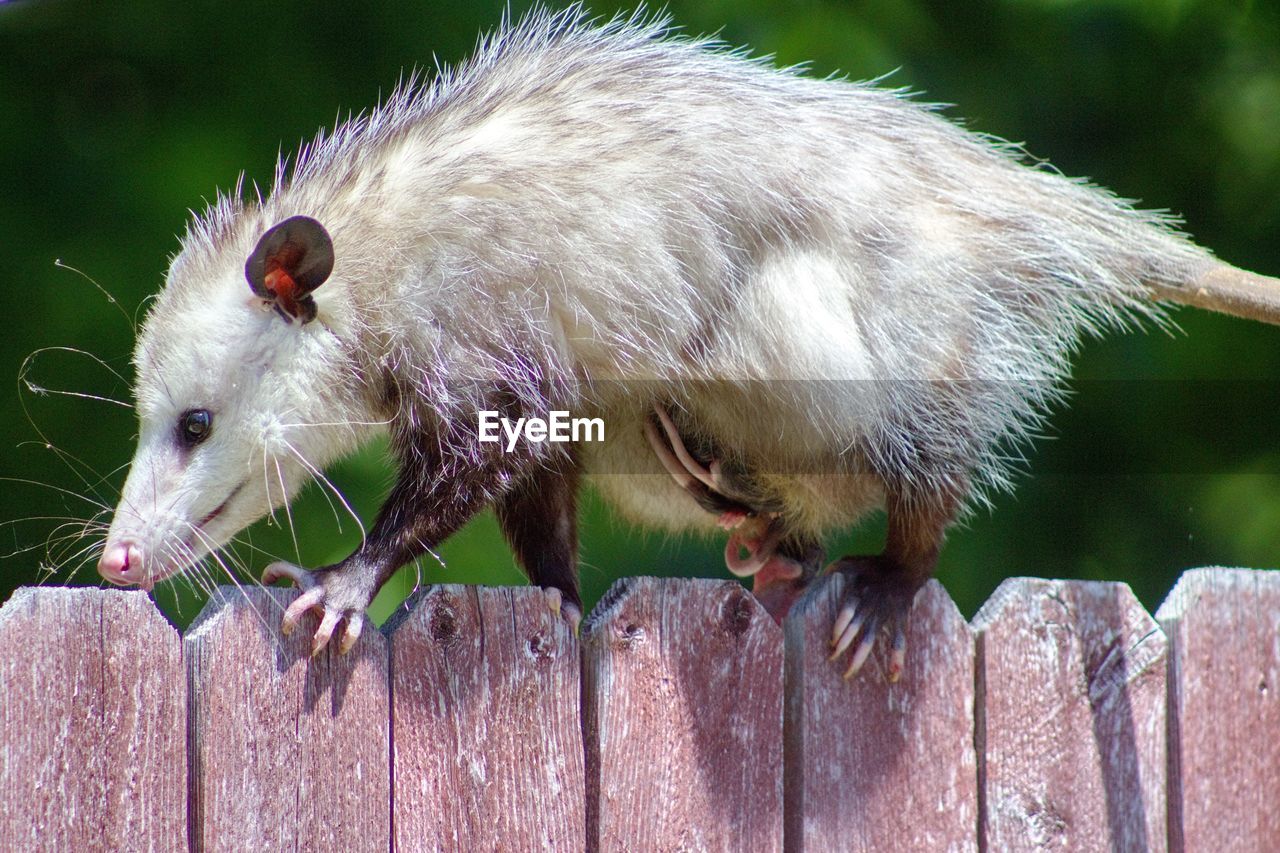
[196, 541]
[219, 508]
[127, 562]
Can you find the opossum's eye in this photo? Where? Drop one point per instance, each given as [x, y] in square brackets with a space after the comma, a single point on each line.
[194, 426]
[292, 259]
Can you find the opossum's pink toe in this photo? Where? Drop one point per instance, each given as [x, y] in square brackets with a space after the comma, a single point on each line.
[875, 601]
[573, 616]
[294, 612]
[559, 607]
[355, 624]
[325, 632]
[318, 594]
[122, 564]
[280, 570]
[759, 552]
[729, 519]
[554, 599]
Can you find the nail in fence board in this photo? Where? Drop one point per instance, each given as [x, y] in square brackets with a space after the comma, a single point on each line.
[92, 723]
[683, 705]
[1224, 709]
[288, 752]
[486, 722]
[1070, 718]
[873, 765]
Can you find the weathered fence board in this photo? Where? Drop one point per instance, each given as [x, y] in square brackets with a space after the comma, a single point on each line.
[1224, 710]
[873, 765]
[487, 727]
[92, 723]
[1062, 719]
[683, 711]
[288, 752]
[1070, 715]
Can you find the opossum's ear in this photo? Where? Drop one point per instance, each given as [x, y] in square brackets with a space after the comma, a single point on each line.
[292, 259]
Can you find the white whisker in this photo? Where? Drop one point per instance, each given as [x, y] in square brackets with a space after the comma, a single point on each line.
[288, 513]
[326, 482]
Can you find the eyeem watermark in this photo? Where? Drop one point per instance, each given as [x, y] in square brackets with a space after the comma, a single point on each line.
[557, 427]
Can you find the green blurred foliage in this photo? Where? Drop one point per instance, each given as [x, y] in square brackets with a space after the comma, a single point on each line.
[115, 118]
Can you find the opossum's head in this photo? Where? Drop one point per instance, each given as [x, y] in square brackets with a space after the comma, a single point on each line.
[241, 398]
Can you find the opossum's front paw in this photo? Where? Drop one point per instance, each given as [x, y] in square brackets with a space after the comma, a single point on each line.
[325, 592]
[878, 595]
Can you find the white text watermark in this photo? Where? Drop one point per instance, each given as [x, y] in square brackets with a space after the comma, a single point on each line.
[558, 426]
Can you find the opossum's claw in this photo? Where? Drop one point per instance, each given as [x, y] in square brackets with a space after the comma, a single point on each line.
[845, 630]
[559, 607]
[878, 595]
[898, 653]
[280, 570]
[351, 633]
[864, 649]
[312, 599]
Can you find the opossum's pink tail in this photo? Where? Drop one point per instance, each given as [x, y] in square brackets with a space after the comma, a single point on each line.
[1228, 289]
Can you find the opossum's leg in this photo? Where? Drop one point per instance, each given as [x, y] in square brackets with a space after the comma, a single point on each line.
[431, 499]
[783, 578]
[881, 588]
[539, 518]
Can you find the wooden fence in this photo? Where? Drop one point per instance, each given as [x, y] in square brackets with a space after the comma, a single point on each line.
[1064, 717]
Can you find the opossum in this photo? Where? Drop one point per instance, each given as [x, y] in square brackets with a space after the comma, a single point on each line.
[792, 301]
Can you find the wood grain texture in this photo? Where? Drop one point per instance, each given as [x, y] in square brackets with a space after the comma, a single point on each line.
[288, 752]
[1070, 718]
[683, 706]
[1224, 710]
[873, 765]
[486, 723]
[92, 723]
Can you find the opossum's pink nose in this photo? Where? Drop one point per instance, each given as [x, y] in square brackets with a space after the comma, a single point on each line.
[122, 564]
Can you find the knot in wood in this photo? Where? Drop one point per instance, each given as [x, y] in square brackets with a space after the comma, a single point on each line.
[540, 647]
[629, 633]
[444, 623]
[736, 612]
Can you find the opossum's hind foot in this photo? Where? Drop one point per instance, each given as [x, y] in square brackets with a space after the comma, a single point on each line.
[877, 598]
[334, 601]
[785, 576]
[558, 606]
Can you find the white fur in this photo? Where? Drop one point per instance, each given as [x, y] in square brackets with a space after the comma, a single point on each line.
[624, 215]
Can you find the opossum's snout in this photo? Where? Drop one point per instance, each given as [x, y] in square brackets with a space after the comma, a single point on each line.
[122, 564]
[174, 505]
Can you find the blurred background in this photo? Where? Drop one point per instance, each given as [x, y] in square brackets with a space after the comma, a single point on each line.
[117, 118]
